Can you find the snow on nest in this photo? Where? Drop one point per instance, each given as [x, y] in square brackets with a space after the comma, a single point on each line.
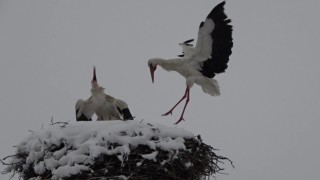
[89, 140]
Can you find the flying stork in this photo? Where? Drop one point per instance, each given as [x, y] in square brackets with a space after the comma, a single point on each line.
[201, 63]
[104, 106]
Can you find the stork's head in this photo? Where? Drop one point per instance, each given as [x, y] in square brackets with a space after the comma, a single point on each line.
[94, 82]
[153, 66]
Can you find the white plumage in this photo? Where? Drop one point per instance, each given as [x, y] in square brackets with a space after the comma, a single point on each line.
[104, 106]
[201, 63]
[187, 49]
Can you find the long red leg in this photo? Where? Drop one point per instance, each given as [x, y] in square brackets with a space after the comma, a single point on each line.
[183, 97]
[185, 105]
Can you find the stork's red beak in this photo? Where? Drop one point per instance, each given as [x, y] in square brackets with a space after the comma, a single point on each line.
[94, 74]
[152, 69]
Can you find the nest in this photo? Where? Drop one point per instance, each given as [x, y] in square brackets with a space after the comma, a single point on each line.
[198, 161]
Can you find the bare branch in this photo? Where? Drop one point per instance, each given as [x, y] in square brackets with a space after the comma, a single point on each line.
[9, 164]
[61, 124]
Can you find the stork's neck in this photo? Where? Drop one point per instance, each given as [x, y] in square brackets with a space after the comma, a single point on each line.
[168, 64]
[96, 89]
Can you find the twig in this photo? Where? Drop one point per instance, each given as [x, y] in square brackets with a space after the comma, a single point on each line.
[10, 164]
[63, 123]
[19, 154]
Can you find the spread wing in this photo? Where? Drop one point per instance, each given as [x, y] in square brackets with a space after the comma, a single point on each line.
[123, 109]
[84, 110]
[214, 42]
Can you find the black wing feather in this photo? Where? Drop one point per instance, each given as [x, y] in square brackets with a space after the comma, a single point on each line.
[127, 114]
[221, 42]
[188, 41]
[82, 117]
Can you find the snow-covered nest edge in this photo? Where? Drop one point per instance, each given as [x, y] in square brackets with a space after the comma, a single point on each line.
[114, 149]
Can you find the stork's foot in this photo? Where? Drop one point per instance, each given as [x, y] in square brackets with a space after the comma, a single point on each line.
[181, 119]
[167, 113]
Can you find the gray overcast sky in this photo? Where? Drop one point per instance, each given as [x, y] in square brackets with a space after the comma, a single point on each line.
[266, 119]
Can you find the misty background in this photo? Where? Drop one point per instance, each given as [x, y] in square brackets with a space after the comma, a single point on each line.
[266, 119]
